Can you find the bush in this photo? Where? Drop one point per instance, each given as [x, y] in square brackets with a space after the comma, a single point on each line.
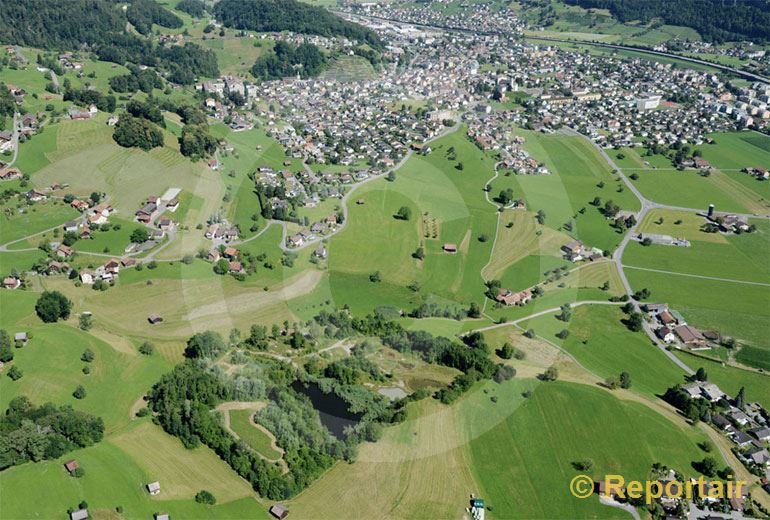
[15, 373]
[53, 306]
[504, 373]
[205, 497]
[79, 393]
[88, 355]
[147, 348]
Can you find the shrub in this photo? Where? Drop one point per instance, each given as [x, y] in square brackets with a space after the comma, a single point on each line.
[205, 497]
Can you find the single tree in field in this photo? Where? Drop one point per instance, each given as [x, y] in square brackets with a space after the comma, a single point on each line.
[53, 306]
[404, 213]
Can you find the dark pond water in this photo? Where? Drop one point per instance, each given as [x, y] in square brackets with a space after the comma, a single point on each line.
[332, 409]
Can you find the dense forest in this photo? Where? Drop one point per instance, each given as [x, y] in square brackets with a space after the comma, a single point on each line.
[28, 432]
[715, 20]
[143, 13]
[195, 8]
[100, 25]
[286, 60]
[290, 15]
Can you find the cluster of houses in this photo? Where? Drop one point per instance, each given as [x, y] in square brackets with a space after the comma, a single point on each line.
[222, 232]
[746, 425]
[231, 254]
[671, 327]
[107, 272]
[507, 297]
[577, 251]
[69, 61]
[757, 172]
[317, 230]
[725, 222]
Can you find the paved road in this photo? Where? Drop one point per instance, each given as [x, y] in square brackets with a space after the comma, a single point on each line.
[618, 255]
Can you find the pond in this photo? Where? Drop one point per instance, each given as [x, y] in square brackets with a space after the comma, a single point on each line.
[332, 409]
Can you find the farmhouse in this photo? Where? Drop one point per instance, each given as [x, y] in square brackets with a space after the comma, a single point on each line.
[666, 334]
[87, 277]
[8, 174]
[70, 226]
[507, 297]
[320, 252]
[689, 335]
[11, 282]
[147, 212]
[63, 251]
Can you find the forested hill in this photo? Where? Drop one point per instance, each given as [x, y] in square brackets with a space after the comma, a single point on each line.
[289, 15]
[100, 25]
[715, 20]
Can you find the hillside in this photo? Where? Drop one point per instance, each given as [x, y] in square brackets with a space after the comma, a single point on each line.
[715, 20]
[289, 15]
[101, 25]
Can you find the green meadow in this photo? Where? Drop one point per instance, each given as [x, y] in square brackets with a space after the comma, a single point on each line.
[730, 379]
[740, 257]
[241, 424]
[523, 464]
[438, 194]
[733, 309]
[599, 341]
[577, 172]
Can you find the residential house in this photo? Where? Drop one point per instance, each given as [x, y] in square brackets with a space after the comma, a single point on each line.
[11, 282]
[63, 251]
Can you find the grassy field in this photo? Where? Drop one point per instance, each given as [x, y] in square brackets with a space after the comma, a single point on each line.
[741, 257]
[129, 176]
[602, 344]
[432, 186]
[143, 453]
[33, 218]
[691, 190]
[730, 379]
[349, 68]
[711, 304]
[523, 463]
[261, 442]
[577, 171]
